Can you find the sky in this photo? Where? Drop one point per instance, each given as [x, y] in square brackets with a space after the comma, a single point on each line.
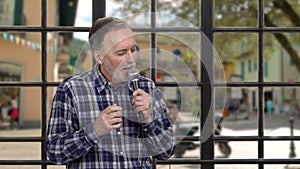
[84, 16]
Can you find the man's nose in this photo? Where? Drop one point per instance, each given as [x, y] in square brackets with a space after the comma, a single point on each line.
[130, 57]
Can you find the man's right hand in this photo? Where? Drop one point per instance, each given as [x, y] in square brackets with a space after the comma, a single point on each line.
[110, 118]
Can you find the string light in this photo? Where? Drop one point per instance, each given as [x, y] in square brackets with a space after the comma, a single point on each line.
[12, 38]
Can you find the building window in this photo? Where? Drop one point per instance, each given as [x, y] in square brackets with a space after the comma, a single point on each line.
[249, 65]
[266, 68]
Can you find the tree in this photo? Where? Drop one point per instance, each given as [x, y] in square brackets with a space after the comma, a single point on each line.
[236, 13]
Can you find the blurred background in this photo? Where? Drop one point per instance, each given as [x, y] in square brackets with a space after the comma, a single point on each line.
[256, 56]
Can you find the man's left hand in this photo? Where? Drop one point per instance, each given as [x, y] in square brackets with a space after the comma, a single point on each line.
[142, 101]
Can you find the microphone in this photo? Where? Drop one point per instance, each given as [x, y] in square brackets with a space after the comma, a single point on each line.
[133, 79]
[135, 84]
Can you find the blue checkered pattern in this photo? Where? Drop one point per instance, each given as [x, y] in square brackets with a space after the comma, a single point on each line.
[72, 140]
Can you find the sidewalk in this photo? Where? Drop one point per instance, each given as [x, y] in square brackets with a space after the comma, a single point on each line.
[275, 126]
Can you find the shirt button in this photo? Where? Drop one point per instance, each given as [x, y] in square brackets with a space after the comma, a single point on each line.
[96, 141]
[121, 152]
[118, 133]
[145, 130]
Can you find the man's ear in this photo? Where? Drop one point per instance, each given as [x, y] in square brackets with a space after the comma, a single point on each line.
[97, 56]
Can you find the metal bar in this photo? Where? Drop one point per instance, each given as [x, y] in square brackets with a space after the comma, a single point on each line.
[239, 138]
[153, 42]
[178, 29]
[27, 84]
[176, 161]
[44, 80]
[261, 161]
[99, 9]
[207, 160]
[207, 120]
[153, 53]
[21, 139]
[25, 162]
[168, 84]
[261, 80]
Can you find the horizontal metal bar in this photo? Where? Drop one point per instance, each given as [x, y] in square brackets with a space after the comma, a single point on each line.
[177, 84]
[21, 139]
[255, 84]
[157, 29]
[171, 84]
[24, 162]
[27, 84]
[228, 161]
[255, 29]
[176, 161]
[256, 138]
[70, 29]
[178, 138]
[239, 138]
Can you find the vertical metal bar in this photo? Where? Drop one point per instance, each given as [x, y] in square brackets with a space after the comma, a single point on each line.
[260, 80]
[153, 40]
[44, 81]
[207, 147]
[153, 46]
[99, 9]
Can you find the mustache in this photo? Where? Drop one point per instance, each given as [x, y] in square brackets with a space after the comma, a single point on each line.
[132, 65]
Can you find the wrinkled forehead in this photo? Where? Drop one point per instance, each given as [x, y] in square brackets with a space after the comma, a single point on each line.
[114, 37]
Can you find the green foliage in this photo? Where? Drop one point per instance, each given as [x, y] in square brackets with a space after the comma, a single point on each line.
[76, 46]
[234, 13]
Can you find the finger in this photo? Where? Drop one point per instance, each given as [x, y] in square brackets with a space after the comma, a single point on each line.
[115, 121]
[112, 108]
[139, 98]
[140, 107]
[137, 92]
[139, 103]
[142, 102]
[116, 114]
[116, 126]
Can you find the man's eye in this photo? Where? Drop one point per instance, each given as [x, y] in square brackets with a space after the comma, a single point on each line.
[120, 53]
[133, 49]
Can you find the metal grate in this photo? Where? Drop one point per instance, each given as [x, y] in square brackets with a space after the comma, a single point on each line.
[207, 159]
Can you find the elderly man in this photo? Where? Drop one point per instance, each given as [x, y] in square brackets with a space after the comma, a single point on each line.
[97, 120]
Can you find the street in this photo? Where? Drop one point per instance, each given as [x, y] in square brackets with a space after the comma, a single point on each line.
[277, 125]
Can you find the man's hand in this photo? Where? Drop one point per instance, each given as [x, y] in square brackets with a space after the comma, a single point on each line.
[142, 101]
[110, 118]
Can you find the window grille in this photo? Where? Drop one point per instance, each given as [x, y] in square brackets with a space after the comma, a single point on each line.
[207, 158]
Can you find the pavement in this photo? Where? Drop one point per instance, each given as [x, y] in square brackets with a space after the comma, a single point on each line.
[276, 125]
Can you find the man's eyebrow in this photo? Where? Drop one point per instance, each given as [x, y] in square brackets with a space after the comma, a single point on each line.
[124, 49]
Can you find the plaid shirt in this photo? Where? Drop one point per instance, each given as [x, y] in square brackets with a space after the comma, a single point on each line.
[72, 140]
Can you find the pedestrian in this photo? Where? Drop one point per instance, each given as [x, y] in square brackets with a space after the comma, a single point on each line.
[97, 120]
[173, 113]
[14, 115]
[269, 106]
[1, 114]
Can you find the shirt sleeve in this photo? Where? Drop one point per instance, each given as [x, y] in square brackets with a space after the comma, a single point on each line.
[65, 141]
[159, 133]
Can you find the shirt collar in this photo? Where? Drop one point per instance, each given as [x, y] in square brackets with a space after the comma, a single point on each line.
[100, 81]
